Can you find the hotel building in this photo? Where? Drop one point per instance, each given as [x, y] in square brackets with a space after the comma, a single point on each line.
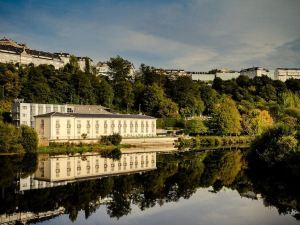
[75, 126]
[23, 113]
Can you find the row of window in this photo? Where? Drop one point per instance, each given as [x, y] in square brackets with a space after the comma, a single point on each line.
[121, 126]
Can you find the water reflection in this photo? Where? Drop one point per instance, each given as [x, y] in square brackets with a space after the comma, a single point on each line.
[71, 184]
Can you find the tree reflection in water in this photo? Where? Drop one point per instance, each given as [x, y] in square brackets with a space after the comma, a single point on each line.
[177, 176]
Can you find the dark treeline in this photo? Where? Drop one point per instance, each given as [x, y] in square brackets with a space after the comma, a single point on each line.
[236, 106]
[177, 176]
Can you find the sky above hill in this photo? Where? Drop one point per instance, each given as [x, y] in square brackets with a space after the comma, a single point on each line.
[194, 35]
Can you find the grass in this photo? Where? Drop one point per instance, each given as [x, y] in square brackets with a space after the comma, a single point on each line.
[56, 149]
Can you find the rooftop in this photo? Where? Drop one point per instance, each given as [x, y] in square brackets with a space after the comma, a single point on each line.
[86, 115]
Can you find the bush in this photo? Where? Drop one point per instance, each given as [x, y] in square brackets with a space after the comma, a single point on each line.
[195, 126]
[114, 139]
[275, 145]
[10, 139]
[163, 123]
[29, 139]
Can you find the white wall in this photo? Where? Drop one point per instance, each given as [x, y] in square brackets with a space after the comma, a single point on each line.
[57, 127]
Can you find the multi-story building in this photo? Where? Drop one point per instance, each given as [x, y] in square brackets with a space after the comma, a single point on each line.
[75, 126]
[255, 72]
[102, 69]
[201, 76]
[284, 74]
[13, 52]
[227, 75]
[172, 72]
[23, 113]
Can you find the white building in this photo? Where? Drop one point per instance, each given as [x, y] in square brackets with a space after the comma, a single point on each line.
[102, 69]
[202, 76]
[228, 75]
[23, 113]
[13, 52]
[284, 74]
[255, 72]
[75, 126]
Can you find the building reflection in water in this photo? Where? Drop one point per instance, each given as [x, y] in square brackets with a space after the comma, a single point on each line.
[60, 170]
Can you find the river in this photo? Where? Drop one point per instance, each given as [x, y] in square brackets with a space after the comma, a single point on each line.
[212, 187]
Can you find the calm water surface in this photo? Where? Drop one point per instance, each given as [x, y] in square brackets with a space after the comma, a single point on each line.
[144, 188]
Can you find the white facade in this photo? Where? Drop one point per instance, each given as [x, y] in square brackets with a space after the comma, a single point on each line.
[227, 75]
[284, 74]
[255, 72]
[12, 52]
[23, 113]
[75, 126]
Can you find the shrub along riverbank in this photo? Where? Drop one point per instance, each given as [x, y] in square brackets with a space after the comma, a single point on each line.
[107, 146]
[17, 140]
[66, 148]
[199, 142]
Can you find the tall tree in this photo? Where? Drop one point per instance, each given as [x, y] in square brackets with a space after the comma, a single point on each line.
[225, 118]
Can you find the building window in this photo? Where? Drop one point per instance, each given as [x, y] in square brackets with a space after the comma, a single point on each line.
[119, 126]
[97, 127]
[131, 127]
[57, 125]
[62, 109]
[69, 124]
[24, 115]
[55, 108]
[32, 109]
[112, 126]
[147, 127]
[124, 127]
[24, 107]
[42, 128]
[142, 126]
[153, 127]
[136, 126]
[41, 109]
[105, 127]
[69, 110]
[48, 109]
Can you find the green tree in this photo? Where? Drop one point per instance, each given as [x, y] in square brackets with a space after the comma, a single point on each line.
[119, 69]
[195, 126]
[29, 139]
[10, 139]
[225, 118]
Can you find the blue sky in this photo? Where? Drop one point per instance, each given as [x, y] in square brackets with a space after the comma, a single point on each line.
[191, 34]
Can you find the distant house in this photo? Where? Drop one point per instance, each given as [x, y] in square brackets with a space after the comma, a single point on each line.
[13, 52]
[255, 72]
[284, 74]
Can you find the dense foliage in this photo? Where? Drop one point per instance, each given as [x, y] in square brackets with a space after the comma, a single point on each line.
[114, 139]
[237, 106]
[17, 140]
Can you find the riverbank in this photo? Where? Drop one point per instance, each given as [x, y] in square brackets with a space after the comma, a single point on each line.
[202, 142]
[56, 149]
